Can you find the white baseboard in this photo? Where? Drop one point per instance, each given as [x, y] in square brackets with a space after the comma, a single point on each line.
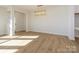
[71, 38]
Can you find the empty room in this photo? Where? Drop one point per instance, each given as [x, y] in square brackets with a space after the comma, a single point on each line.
[39, 29]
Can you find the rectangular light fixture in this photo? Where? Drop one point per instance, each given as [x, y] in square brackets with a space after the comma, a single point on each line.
[40, 11]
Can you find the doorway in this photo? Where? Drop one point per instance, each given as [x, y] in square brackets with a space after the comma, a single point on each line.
[19, 22]
[77, 25]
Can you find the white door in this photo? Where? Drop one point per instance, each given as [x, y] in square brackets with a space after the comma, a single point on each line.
[20, 21]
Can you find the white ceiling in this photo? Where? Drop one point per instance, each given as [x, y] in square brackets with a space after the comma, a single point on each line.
[25, 7]
[22, 7]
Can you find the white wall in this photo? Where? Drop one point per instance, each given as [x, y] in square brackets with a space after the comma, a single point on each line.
[20, 21]
[58, 20]
[76, 8]
[3, 21]
[71, 25]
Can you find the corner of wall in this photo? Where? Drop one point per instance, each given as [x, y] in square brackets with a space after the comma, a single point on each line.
[71, 38]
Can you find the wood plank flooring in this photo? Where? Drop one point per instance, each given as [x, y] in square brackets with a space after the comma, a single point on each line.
[35, 42]
[47, 43]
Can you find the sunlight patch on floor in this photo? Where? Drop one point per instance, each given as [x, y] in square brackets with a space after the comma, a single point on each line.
[16, 43]
[13, 43]
[8, 50]
[28, 36]
[19, 37]
[9, 37]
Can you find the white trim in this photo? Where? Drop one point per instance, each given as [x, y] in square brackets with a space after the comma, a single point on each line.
[26, 17]
[12, 22]
[71, 23]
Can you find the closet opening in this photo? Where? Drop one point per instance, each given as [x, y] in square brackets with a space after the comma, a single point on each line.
[77, 27]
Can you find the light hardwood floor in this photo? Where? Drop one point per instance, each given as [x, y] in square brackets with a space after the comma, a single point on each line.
[48, 43]
[43, 43]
